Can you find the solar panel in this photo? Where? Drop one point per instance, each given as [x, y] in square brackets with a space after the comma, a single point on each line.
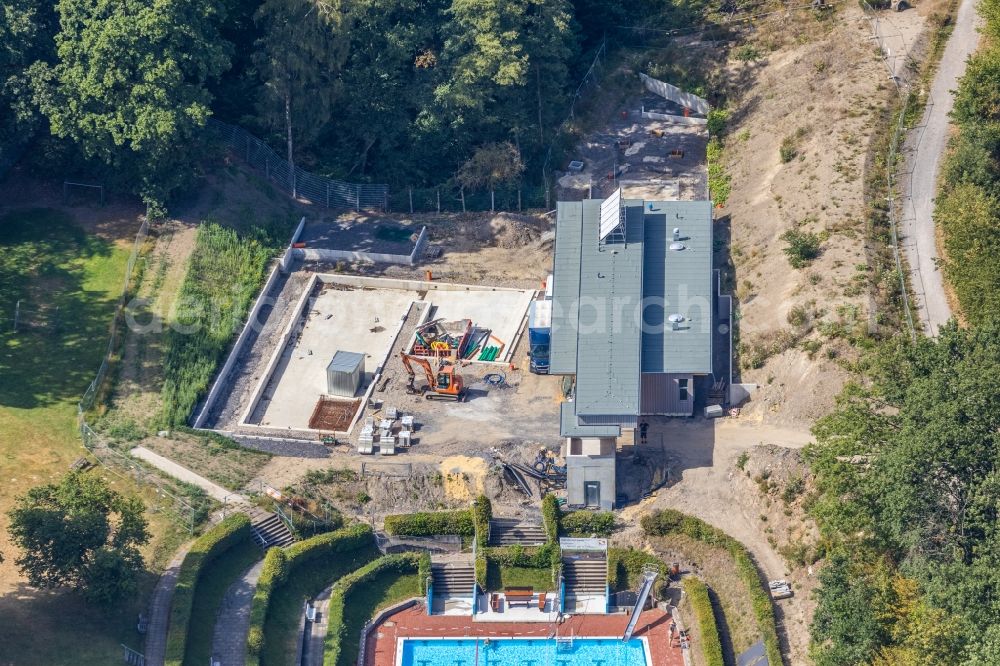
[611, 213]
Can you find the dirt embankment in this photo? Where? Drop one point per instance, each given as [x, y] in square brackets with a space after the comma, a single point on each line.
[795, 150]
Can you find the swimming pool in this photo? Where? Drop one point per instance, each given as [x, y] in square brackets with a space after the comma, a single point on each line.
[522, 652]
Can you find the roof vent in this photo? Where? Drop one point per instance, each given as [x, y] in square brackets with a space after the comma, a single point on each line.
[677, 246]
[675, 318]
[677, 233]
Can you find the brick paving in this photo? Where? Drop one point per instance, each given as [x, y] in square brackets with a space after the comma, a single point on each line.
[654, 625]
[155, 649]
[229, 643]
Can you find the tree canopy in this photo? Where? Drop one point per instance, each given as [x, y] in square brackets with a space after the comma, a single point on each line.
[81, 534]
[129, 85]
[908, 479]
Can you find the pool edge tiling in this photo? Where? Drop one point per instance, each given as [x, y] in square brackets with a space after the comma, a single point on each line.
[385, 641]
[516, 651]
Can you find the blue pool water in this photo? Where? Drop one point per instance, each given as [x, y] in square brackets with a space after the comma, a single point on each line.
[523, 652]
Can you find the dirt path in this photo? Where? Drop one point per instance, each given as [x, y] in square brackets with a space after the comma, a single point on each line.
[926, 145]
[214, 490]
[159, 610]
[706, 452]
[314, 644]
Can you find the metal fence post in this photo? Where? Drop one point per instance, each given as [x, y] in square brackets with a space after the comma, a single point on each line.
[439, 199]
[328, 195]
[411, 200]
[357, 197]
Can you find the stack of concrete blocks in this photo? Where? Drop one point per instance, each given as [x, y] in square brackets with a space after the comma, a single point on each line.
[366, 440]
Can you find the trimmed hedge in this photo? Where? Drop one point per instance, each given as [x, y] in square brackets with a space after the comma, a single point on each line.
[550, 517]
[403, 563]
[431, 524]
[711, 644]
[587, 523]
[205, 550]
[280, 564]
[482, 511]
[424, 570]
[668, 521]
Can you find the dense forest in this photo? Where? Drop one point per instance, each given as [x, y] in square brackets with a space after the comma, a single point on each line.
[397, 91]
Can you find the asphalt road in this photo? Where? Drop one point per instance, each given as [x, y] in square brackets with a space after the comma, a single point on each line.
[925, 147]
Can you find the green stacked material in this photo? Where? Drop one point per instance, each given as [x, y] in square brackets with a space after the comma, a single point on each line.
[489, 354]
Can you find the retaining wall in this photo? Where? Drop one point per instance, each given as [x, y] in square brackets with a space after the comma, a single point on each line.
[675, 94]
[675, 120]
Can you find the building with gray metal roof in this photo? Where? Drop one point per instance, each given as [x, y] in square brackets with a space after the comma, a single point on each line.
[634, 319]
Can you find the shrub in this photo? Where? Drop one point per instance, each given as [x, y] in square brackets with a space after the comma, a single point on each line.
[711, 644]
[788, 149]
[550, 517]
[205, 550]
[336, 627]
[279, 564]
[626, 565]
[747, 53]
[668, 521]
[431, 524]
[717, 121]
[803, 247]
[718, 179]
[587, 523]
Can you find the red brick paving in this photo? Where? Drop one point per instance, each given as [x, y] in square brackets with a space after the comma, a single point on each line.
[654, 625]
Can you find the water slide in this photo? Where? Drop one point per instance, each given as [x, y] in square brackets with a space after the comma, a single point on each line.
[648, 578]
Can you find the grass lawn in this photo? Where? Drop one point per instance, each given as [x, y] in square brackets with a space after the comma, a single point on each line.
[497, 578]
[368, 599]
[46, 261]
[211, 588]
[281, 628]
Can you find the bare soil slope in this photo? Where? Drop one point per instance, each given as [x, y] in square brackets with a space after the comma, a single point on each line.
[796, 153]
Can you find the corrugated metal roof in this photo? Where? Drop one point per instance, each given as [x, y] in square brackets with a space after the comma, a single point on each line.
[345, 361]
[565, 287]
[569, 427]
[609, 335]
[677, 282]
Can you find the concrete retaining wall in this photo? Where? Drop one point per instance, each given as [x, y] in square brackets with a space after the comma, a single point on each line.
[293, 323]
[412, 285]
[227, 367]
[675, 94]
[676, 120]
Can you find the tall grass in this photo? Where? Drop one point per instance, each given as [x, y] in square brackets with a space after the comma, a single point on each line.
[223, 277]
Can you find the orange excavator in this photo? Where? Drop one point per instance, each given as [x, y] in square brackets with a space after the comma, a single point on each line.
[444, 384]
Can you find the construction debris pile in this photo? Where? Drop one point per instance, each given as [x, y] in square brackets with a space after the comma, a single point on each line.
[457, 340]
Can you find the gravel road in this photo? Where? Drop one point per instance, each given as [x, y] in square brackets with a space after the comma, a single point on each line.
[925, 147]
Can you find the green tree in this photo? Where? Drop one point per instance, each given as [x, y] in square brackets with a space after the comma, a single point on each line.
[302, 46]
[81, 534]
[491, 166]
[26, 36]
[129, 87]
[508, 63]
[978, 94]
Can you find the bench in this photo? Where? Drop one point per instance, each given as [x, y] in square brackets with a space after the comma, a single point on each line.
[519, 595]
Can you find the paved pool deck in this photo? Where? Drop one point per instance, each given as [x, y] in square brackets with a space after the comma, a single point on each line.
[413, 622]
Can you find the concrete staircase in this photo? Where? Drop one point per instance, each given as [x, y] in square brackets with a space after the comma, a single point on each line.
[452, 577]
[268, 529]
[585, 576]
[510, 532]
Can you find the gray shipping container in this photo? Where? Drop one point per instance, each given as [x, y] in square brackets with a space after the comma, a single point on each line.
[344, 374]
